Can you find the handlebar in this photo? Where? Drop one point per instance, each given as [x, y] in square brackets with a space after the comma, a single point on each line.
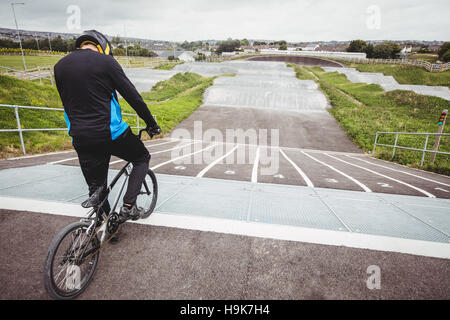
[140, 133]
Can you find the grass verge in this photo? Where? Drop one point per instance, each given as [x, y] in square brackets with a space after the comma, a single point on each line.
[404, 74]
[378, 110]
[171, 101]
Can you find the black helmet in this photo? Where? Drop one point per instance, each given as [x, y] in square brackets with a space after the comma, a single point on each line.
[96, 38]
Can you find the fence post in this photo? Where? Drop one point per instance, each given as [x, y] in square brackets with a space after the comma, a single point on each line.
[424, 149]
[16, 111]
[39, 73]
[375, 144]
[395, 145]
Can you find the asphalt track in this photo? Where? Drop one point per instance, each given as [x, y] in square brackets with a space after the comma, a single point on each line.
[295, 166]
[168, 263]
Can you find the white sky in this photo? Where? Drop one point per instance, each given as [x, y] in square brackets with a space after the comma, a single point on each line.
[291, 20]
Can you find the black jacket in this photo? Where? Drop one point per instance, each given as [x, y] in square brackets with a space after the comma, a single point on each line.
[87, 82]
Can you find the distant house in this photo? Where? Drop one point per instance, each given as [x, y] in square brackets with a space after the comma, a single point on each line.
[312, 47]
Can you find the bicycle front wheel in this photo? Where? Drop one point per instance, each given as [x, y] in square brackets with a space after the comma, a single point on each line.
[71, 261]
[149, 194]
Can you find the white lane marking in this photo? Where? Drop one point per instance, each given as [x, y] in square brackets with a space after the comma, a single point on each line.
[384, 185]
[156, 152]
[180, 168]
[181, 157]
[61, 161]
[212, 164]
[331, 180]
[408, 173]
[252, 229]
[441, 189]
[279, 176]
[384, 176]
[229, 172]
[158, 144]
[255, 166]
[300, 171]
[363, 186]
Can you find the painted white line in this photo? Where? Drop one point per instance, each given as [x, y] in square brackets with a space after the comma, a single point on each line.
[384, 176]
[212, 164]
[363, 186]
[408, 173]
[61, 161]
[255, 166]
[251, 229]
[158, 144]
[156, 152]
[181, 157]
[300, 171]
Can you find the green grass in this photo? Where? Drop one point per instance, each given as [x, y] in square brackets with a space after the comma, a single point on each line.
[168, 66]
[406, 74]
[394, 111]
[171, 101]
[301, 72]
[430, 57]
[15, 61]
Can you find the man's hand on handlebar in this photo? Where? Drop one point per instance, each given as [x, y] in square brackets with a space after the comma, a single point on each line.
[153, 131]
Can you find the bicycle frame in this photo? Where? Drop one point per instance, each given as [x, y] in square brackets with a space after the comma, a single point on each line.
[127, 171]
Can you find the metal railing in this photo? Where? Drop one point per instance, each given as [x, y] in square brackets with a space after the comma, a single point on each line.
[45, 73]
[396, 146]
[20, 129]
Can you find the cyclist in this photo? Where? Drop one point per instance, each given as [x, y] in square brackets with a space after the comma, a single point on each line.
[87, 80]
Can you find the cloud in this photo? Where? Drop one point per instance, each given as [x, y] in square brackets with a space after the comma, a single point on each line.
[292, 20]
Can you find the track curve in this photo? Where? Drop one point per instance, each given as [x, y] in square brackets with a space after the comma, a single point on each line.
[306, 61]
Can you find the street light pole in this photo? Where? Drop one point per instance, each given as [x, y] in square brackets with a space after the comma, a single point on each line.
[18, 33]
[49, 41]
[37, 41]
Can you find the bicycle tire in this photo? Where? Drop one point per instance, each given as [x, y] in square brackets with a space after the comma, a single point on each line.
[49, 283]
[148, 211]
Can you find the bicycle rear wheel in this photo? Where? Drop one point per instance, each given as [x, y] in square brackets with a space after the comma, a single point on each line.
[149, 194]
[66, 273]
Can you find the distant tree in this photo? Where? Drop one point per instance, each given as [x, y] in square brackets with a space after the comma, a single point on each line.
[386, 50]
[244, 42]
[200, 57]
[228, 46]
[369, 51]
[443, 49]
[446, 56]
[357, 46]
[7, 43]
[119, 51]
[283, 47]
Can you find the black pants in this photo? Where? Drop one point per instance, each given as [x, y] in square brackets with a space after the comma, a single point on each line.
[94, 162]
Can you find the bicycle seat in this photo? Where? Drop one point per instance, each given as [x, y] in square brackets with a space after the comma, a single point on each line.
[94, 199]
